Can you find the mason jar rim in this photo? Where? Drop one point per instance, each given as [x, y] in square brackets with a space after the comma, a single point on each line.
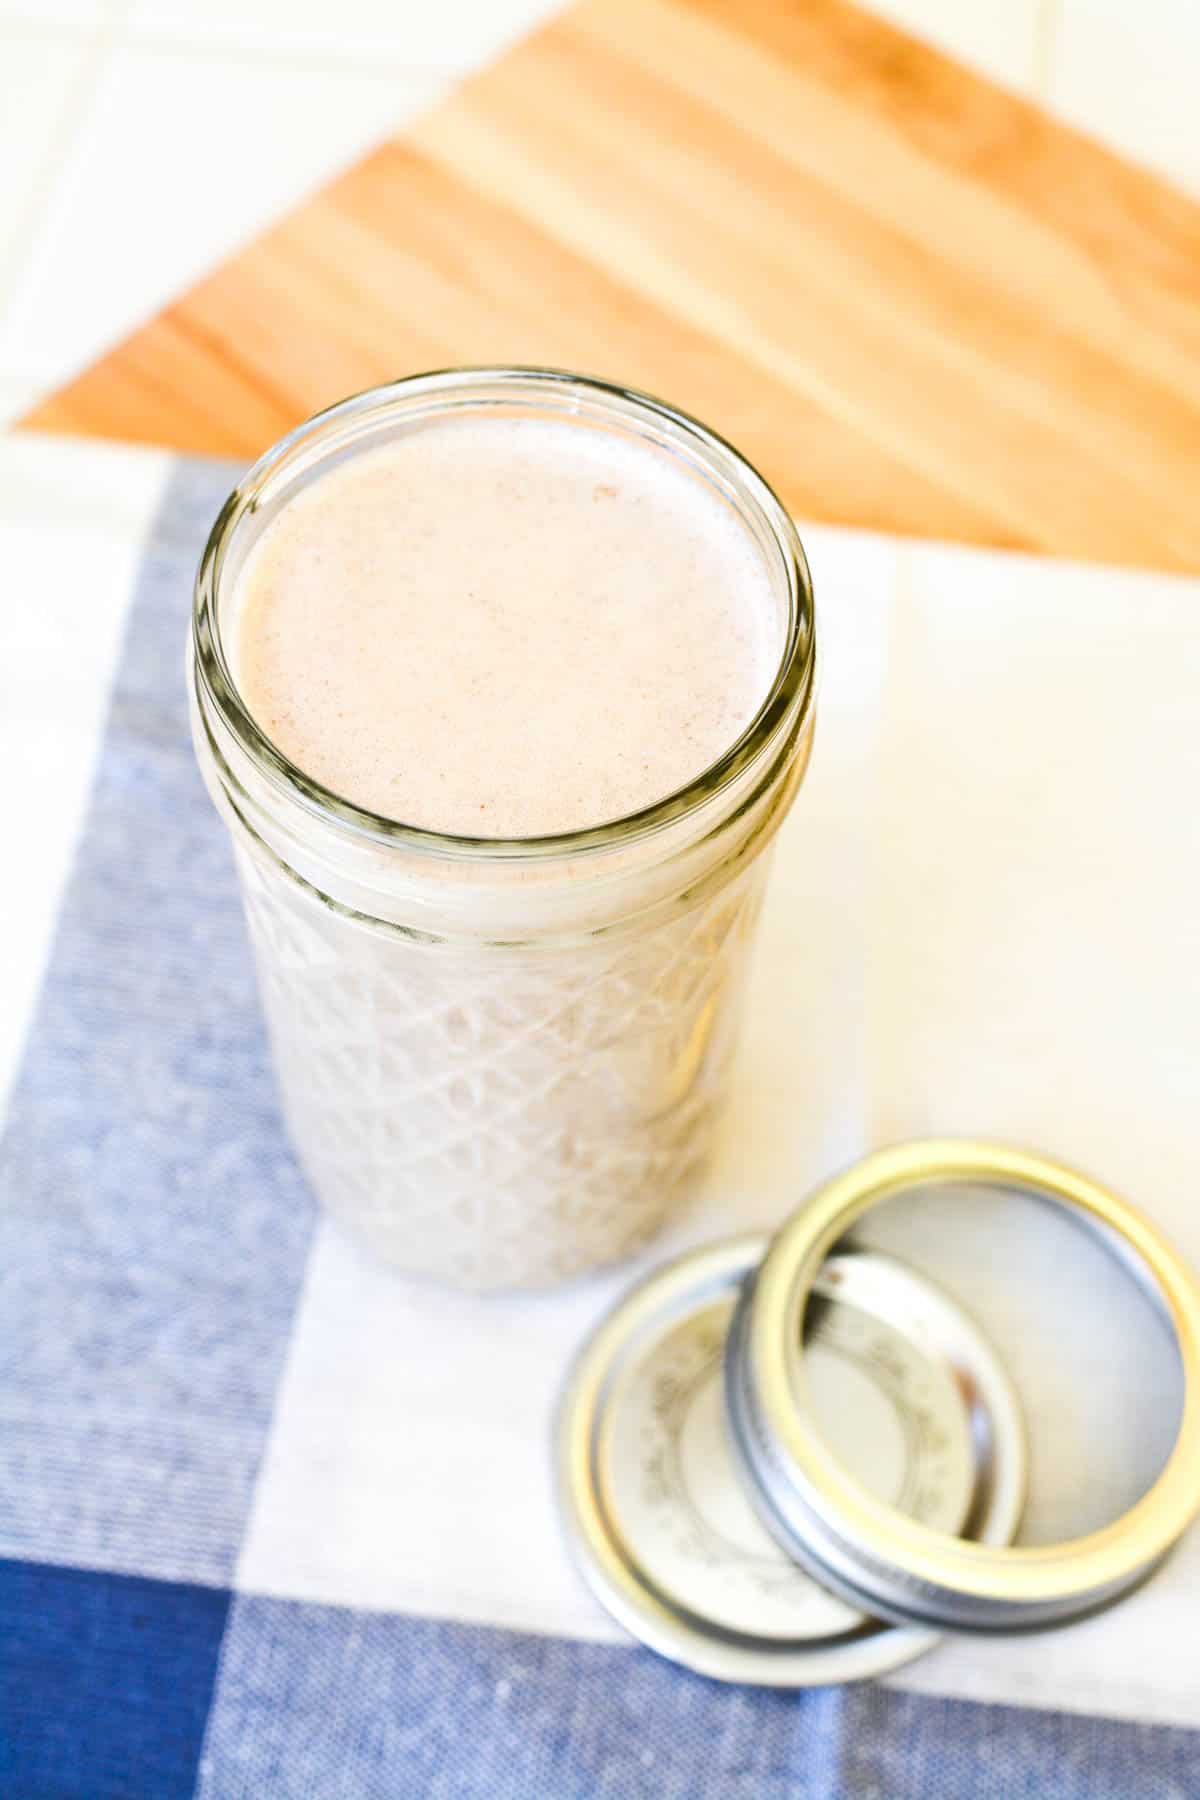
[440, 392]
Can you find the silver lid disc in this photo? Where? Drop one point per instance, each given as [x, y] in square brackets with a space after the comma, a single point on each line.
[863, 1546]
[659, 1514]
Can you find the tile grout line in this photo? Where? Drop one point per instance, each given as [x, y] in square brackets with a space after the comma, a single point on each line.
[50, 166]
[1045, 45]
[100, 44]
[119, 33]
[296, 59]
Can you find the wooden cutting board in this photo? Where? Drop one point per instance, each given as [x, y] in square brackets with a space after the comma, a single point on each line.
[916, 302]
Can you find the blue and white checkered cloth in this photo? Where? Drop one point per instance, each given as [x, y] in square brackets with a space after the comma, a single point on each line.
[274, 1524]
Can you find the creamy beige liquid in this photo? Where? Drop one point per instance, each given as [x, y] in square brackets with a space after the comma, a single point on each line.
[505, 627]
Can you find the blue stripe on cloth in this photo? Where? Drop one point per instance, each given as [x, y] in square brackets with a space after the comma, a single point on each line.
[105, 1682]
[348, 1705]
[153, 1225]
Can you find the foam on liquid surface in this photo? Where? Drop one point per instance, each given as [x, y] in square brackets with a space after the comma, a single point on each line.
[505, 627]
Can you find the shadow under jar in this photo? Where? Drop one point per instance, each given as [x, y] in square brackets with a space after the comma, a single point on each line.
[500, 1059]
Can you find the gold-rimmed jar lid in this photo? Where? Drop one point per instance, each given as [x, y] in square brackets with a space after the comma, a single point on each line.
[869, 1552]
[660, 1518]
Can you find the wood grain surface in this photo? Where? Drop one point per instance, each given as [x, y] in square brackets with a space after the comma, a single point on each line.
[915, 302]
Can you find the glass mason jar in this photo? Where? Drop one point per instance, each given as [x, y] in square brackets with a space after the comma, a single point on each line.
[500, 1060]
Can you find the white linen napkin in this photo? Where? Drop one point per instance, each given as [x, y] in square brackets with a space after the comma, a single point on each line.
[984, 919]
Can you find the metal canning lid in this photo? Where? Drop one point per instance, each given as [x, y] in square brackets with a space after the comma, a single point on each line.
[659, 1515]
[869, 1551]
